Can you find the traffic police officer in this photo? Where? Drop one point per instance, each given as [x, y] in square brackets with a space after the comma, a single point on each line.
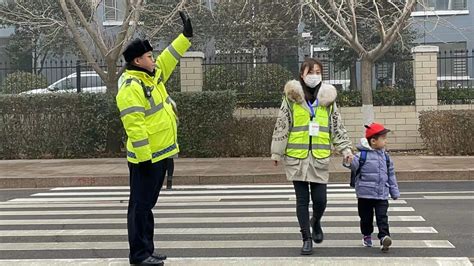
[150, 124]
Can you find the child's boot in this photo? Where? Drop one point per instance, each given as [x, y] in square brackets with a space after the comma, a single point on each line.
[367, 241]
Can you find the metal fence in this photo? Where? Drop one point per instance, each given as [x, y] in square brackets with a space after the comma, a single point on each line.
[456, 69]
[243, 72]
[246, 73]
[456, 77]
[259, 82]
[61, 77]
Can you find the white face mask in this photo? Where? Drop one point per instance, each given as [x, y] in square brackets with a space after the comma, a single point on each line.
[312, 80]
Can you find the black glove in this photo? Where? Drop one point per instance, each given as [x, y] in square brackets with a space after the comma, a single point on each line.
[187, 27]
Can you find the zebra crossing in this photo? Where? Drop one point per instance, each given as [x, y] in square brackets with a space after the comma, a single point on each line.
[207, 225]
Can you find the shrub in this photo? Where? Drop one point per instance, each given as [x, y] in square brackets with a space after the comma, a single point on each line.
[204, 119]
[456, 96]
[447, 132]
[173, 84]
[386, 96]
[267, 78]
[391, 96]
[349, 98]
[250, 137]
[86, 125]
[259, 99]
[59, 125]
[23, 81]
[224, 77]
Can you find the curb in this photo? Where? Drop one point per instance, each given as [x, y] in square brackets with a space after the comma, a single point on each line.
[335, 177]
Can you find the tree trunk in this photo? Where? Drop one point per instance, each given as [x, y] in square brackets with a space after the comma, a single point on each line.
[367, 66]
[367, 100]
[353, 76]
[114, 130]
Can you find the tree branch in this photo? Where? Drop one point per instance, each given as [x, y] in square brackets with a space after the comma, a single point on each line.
[379, 21]
[132, 14]
[80, 43]
[98, 40]
[382, 47]
[340, 32]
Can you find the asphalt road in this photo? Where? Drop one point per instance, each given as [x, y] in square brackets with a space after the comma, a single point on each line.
[50, 226]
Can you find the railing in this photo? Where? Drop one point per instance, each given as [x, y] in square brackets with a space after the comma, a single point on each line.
[456, 77]
[259, 82]
[61, 76]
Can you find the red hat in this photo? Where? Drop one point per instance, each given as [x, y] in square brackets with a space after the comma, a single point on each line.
[374, 129]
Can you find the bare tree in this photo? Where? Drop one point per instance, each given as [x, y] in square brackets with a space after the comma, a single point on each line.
[348, 18]
[85, 28]
[83, 21]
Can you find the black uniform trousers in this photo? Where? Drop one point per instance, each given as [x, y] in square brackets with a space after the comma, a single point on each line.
[366, 209]
[146, 180]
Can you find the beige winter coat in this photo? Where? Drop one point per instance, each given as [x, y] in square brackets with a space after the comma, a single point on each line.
[309, 169]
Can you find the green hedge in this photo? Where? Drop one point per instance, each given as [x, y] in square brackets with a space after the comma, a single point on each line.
[88, 125]
[250, 137]
[204, 122]
[224, 77]
[22, 81]
[456, 96]
[448, 132]
[265, 78]
[57, 126]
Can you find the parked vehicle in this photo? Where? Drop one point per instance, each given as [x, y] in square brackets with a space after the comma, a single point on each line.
[90, 82]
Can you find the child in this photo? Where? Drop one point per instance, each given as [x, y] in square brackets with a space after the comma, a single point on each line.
[374, 181]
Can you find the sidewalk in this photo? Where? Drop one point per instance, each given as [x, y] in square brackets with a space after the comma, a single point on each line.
[114, 172]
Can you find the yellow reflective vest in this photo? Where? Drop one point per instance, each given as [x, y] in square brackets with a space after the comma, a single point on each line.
[150, 122]
[300, 142]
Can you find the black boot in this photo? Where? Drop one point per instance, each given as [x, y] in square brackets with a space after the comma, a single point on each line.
[159, 256]
[169, 183]
[150, 261]
[307, 248]
[317, 234]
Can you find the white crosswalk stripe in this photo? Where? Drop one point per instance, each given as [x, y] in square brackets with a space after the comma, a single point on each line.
[222, 220]
[198, 220]
[276, 261]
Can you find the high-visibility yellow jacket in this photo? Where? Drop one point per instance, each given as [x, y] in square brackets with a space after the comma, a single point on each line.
[150, 122]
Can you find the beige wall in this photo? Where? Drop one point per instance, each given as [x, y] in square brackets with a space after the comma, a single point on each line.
[191, 71]
[402, 120]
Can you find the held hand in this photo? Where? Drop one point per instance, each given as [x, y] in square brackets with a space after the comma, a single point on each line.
[187, 27]
[275, 163]
[348, 158]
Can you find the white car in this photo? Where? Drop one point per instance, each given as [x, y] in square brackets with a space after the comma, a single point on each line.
[90, 82]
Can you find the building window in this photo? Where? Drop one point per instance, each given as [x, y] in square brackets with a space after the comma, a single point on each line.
[110, 8]
[439, 5]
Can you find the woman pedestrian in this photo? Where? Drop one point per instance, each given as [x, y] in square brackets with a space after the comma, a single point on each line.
[307, 124]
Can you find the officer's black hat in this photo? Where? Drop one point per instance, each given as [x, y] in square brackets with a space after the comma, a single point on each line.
[136, 48]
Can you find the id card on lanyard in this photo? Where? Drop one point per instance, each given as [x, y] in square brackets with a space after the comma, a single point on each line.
[313, 125]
